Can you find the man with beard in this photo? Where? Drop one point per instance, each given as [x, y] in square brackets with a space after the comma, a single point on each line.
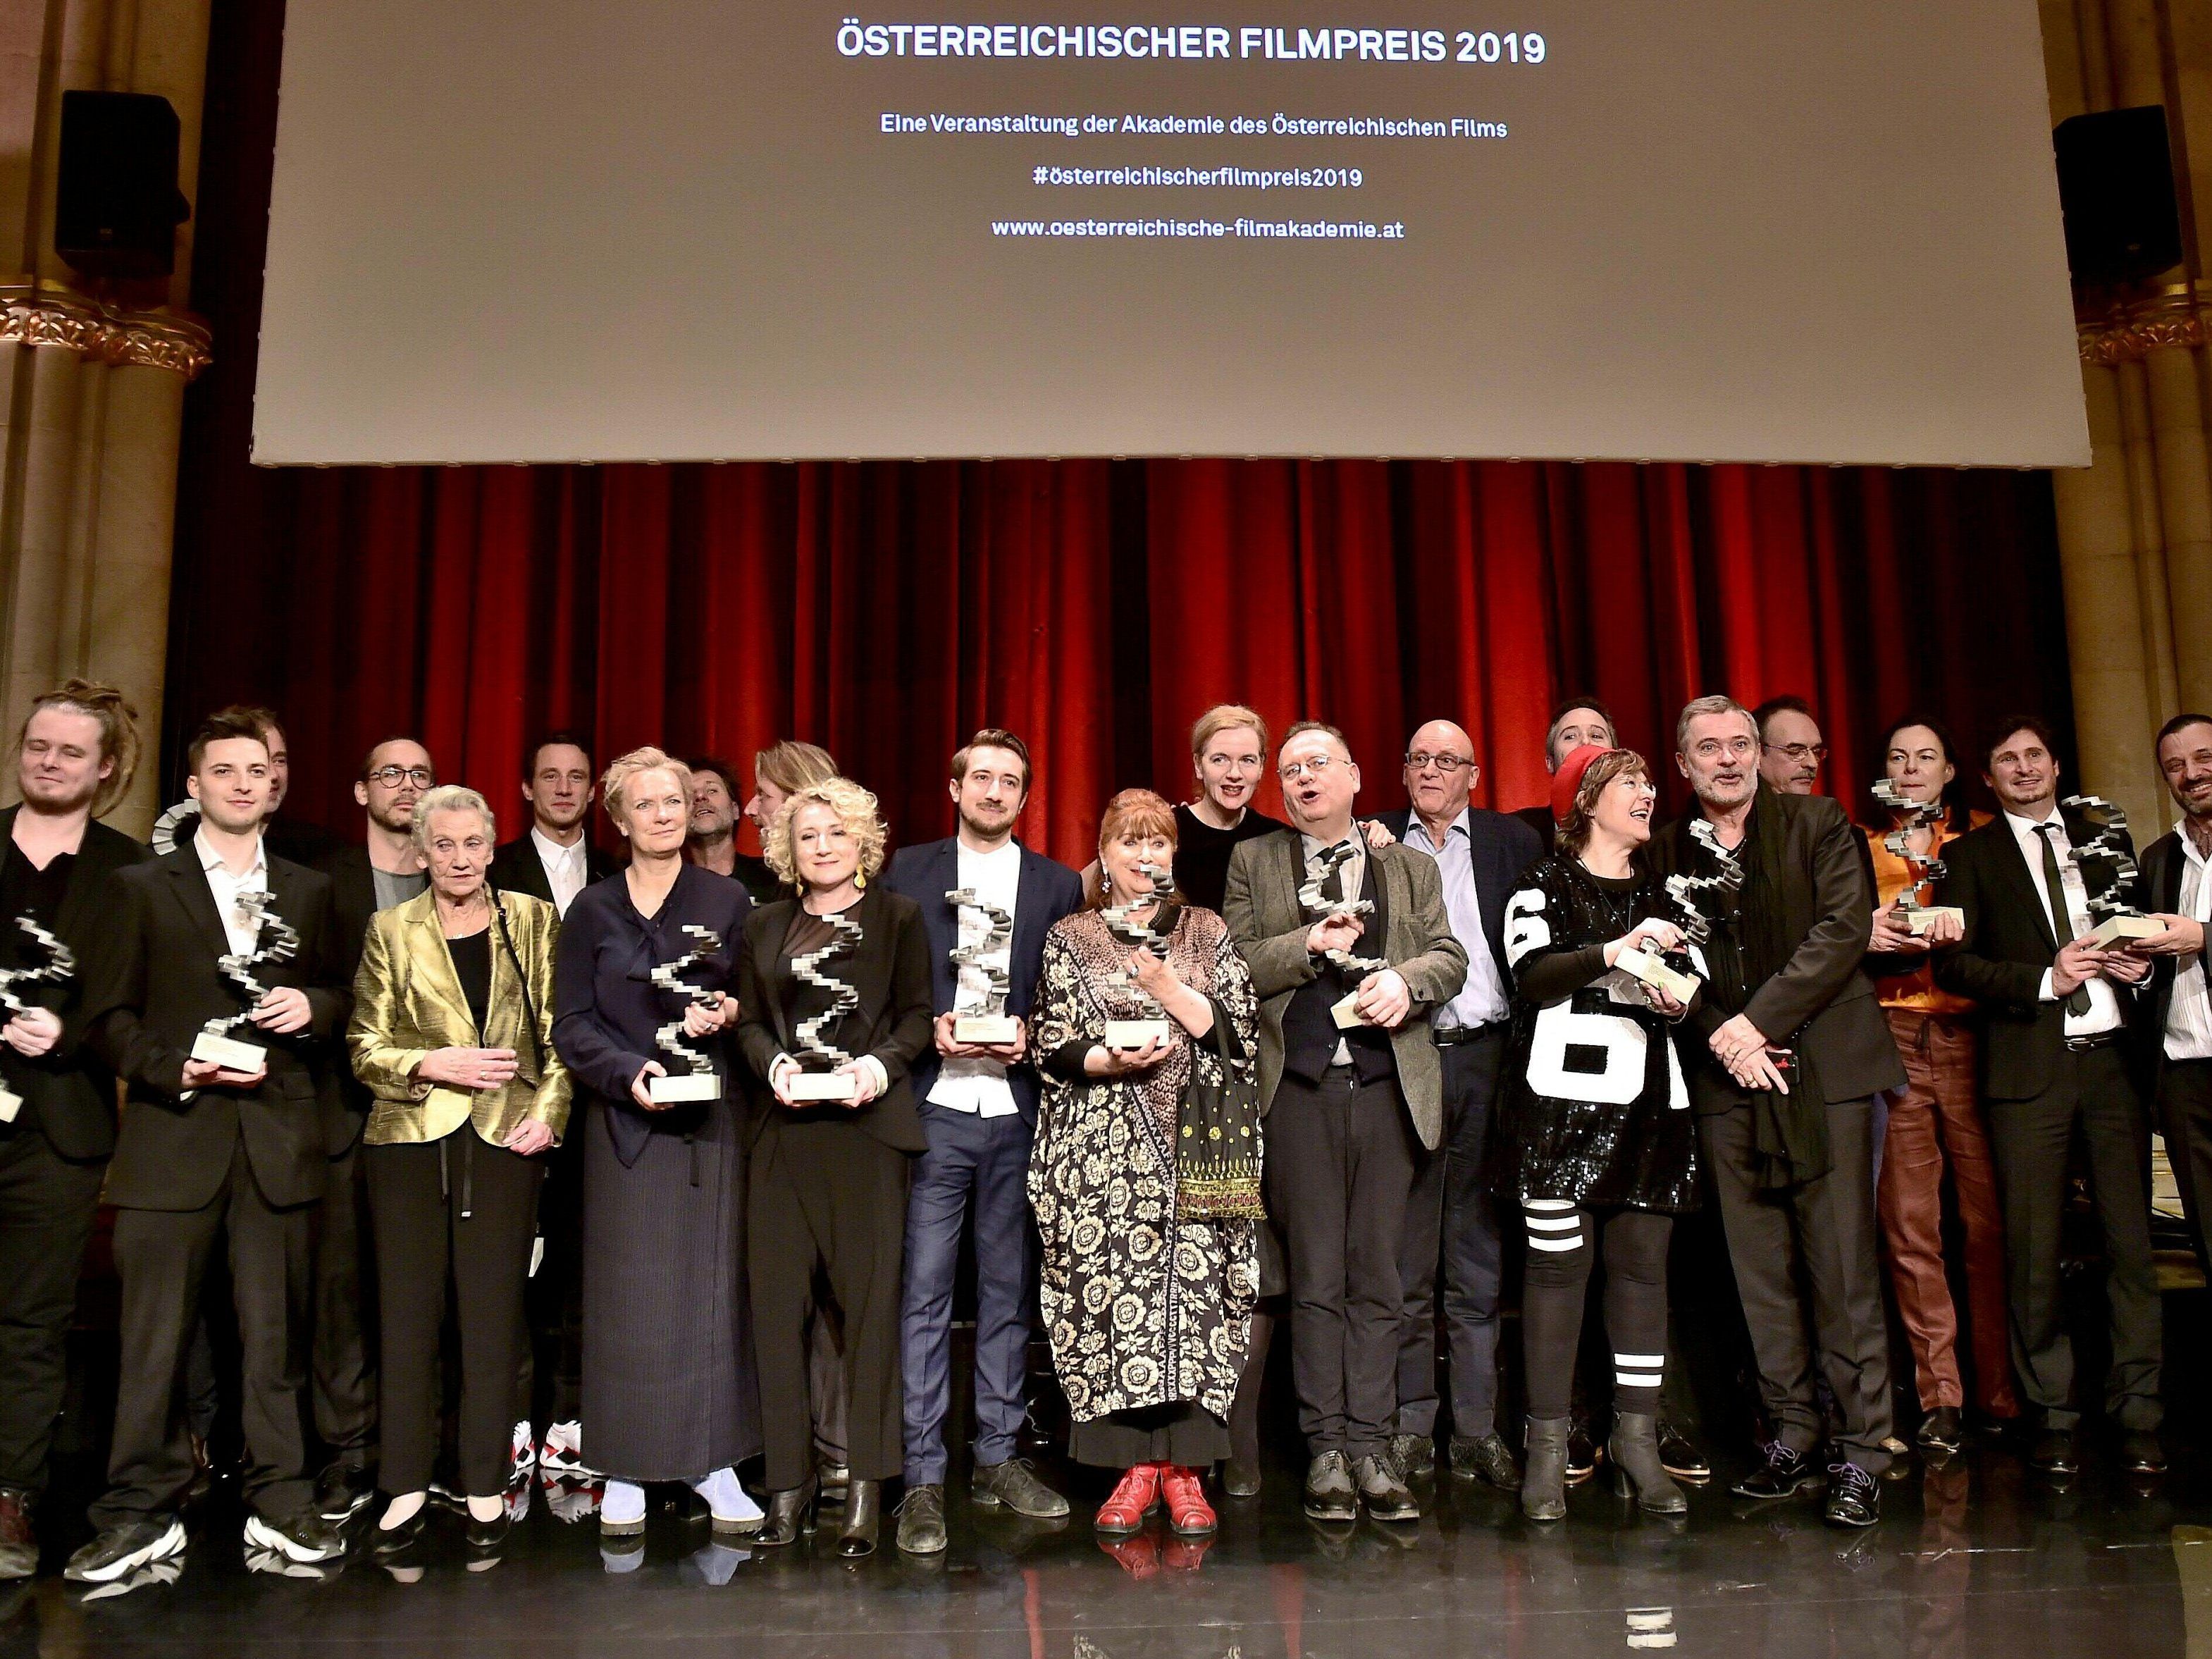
[712, 840]
[1791, 750]
[73, 760]
[553, 860]
[978, 1104]
[2181, 1004]
[2056, 1012]
[1785, 1054]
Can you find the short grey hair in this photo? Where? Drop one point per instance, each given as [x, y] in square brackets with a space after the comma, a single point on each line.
[449, 798]
[1696, 708]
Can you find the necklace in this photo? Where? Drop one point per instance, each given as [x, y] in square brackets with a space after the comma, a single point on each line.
[1613, 912]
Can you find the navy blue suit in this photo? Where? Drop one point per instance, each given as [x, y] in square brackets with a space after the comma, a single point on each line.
[973, 1162]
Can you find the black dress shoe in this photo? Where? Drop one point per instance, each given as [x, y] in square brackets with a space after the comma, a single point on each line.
[790, 1512]
[1486, 1458]
[864, 1514]
[2141, 1453]
[1679, 1456]
[1581, 1452]
[921, 1520]
[1382, 1494]
[1240, 1478]
[1854, 1497]
[2054, 1453]
[1941, 1431]
[1785, 1474]
[386, 1542]
[1414, 1455]
[1330, 1494]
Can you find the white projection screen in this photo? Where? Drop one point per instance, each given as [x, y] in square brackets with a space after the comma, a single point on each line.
[544, 230]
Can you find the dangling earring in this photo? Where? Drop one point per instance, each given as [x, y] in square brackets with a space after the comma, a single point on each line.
[860, 881]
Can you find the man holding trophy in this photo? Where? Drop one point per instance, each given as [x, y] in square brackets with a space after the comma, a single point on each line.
[988, 903]
[216, 992]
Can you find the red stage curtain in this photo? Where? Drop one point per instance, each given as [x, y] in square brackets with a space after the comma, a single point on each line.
[886, 610]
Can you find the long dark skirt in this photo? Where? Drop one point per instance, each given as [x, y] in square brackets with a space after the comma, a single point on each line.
[671, 1392]
[1183, 1432]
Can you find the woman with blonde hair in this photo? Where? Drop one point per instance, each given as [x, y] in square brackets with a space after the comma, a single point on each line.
[834, 985]
[669, 1386]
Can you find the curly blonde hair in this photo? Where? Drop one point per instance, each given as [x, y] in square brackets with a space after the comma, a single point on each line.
[618, 774]
[855, 809]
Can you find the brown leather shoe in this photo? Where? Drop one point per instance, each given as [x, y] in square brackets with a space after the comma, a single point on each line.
[19, 1546]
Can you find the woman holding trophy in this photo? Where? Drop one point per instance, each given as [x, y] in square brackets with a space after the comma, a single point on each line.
[1598, 1155]
[642, 1010]
[1150, 1264]
[834, 985]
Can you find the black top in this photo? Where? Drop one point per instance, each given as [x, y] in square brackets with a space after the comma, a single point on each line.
[1202, 855]
[28, 890]
[471, 955]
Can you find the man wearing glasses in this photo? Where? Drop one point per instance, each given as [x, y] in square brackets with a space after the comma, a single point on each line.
[1791, 750]
[1480, 855]
[1351, 953]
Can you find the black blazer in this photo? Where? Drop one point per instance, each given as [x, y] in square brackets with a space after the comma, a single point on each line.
[1045, 891]
[1502, 846]
[2159, 891]
[1541, 823]
[1820, 1001]
[2001, 960]
[68, 1092]
[516, 867]
[890, 970]
[154, 984]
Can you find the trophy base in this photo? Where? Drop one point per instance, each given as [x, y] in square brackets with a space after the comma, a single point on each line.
[988, 1030]
[674, 1090]
[1135, 1033]
[230, 1053]
[10, 1104]
[1647, 966]
[820, 1086]
[2118, 930]
[1920, 921]
[1346, 1014]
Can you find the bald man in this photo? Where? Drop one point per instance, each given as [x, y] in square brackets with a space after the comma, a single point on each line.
[1480, 854]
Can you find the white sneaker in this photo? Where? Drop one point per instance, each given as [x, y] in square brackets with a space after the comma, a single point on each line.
[166, 1545]
[623, 1509]
[260, 1535]
[731, 1506]
[563, 1451]
[522, 1453]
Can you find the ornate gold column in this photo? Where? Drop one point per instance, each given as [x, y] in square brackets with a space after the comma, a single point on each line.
[92, 398]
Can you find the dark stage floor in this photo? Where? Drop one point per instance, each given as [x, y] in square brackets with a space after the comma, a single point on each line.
[1977, 1559]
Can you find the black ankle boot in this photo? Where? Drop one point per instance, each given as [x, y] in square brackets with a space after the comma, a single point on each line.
[1634, 1449]
[864, 1509]
[1544, 1473]
[790, 1512]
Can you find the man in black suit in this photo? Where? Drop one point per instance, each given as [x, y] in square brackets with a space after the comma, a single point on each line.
[1480, 856]
[553, 860]
[73, 760]
[1576, 720]
[2055, 1013]
[2177, 1002]
[207, 1149]
[978, 1103]
[1785, 1053]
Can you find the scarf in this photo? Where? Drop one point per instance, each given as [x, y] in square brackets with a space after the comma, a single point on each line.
[1790, 1132]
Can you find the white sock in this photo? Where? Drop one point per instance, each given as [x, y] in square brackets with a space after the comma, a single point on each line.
[623, 1502]
[402, 1510]
[727, 1499]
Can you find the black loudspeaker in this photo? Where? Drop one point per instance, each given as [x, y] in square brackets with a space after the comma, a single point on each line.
[2116, 189]
[117, 206]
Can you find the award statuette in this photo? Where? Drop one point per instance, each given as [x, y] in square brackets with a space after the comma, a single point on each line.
[274, 941]
[1333, 859]
[697, 1078]
[1671, 971]
[1152, 1027]
[821, 1081]
[1914, 815]
[58, 969]
[2118, 921]
[991, 1026]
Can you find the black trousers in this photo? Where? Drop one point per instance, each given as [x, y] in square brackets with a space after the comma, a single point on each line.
[1451, 1218]
[46, 1206]
[823, 1191]
[1562, 1245]
[162, 1256]
[1821, 1234]
[2092, 1095]
[462, 1209]
[549, 1369]
[2184, 1118]
[344, 1380]
[1339, 1171]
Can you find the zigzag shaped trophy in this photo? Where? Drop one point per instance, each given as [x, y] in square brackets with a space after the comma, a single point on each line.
[1119, 918]
[1671, 971]
[274, 941]
[819, 1077]
[2119, 921]
[1914, 815]
[58, 969]
[693, 1076]
[1333, 859]
[989, 1025]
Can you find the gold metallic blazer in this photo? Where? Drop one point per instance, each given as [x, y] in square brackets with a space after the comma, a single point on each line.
[408, 1000]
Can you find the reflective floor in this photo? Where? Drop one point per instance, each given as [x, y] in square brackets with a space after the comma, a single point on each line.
[1980, 1557]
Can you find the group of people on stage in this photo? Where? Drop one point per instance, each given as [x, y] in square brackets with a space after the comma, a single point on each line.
[681, 1152]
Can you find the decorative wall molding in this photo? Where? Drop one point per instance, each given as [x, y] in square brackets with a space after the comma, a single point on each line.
[2128, 331]
[160, 338]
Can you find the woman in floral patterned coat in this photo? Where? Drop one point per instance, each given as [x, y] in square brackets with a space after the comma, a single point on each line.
[1149, 1311]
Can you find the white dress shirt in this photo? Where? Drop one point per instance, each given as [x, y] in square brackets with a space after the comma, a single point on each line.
[242, 931]
[2189, 1012]
[2104, 1013]
[980, 1086]
[1482, 999]
[566, 870]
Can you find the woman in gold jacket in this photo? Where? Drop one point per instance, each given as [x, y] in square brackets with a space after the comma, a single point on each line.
[453, 1033]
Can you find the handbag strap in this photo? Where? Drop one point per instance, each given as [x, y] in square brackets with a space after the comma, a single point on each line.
[522, 978]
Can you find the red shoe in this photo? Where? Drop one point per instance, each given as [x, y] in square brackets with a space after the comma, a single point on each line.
[1189, 1513]
[1125, 1511]
[1184, 1554]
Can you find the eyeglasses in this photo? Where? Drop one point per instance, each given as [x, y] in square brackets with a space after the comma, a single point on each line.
[390, 776]
[1798, 752]
[1296, 769]
[1420, 759]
